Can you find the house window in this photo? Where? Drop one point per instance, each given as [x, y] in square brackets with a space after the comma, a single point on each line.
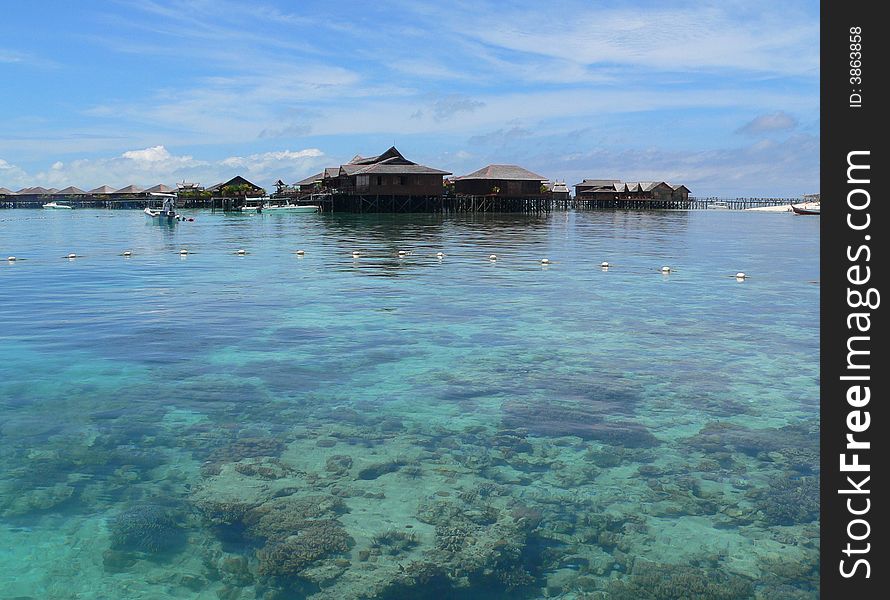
[402, 180]
[362, 182]
[379, 180]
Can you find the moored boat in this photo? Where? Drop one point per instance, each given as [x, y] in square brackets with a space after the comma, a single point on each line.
[297, 208]
[57, 205]
[806, 209]
[161, 216]
[167, 214]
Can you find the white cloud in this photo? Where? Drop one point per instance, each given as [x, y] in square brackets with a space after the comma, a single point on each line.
[13, 177]
[777, 121]
[149, 166]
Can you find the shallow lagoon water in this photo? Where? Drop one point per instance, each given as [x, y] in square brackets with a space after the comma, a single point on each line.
[277, 426]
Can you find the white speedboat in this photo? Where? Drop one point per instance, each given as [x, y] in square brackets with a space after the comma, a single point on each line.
[297, 208]
[57, 205]
[810, 208]
[160, 216]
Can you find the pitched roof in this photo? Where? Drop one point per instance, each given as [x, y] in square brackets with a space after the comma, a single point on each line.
[130, 189]
[389, 168]
[597, 182]
[311, 179]
[236, 180]
[508, 172]
[160, 188]
[102, 189]
[34, 190]
[677, 186]
[5, 192]
[391, 155]
[71, 190]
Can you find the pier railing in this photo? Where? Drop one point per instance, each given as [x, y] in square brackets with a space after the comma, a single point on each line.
[335, 202]
[739, 203]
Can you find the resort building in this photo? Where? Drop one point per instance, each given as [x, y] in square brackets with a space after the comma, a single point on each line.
[559, 190]
[388, 174]
[501, 180]
[615, 189]
[614, 193]
[236, 187]
[589, 186]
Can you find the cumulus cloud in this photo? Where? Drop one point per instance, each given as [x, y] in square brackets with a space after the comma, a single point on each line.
[777, 121]
[149, 166]
[501, 137]
[11, 176]
[453, 104]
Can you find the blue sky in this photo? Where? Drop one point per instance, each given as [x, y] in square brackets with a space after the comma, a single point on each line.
[722, 96]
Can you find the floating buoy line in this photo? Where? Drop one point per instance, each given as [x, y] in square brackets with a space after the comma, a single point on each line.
[604, 265]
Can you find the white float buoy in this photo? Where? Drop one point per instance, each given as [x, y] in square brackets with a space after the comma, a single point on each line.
[72, 255]
[127, 253]
[740, 275]
[356, 254]
[493, 257]
[605, 265]
[11, 259]
[403, 252]
[545, 261]
[301, 252]
[241, 252]
[440, 254]
[183, 252]
[665, 269]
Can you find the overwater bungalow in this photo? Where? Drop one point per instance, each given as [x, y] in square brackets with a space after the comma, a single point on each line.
[232, 194]
[388, 174]
[509, 181]
[591, 186]
[319, 182]
[387, 182]
[614, 193]
[236, 187]
[680, 192]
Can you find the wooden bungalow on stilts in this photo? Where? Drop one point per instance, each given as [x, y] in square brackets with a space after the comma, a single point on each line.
[388, 182]
[231, 194]
[502, 188]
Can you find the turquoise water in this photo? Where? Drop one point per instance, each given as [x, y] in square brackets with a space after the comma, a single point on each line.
[276, 426]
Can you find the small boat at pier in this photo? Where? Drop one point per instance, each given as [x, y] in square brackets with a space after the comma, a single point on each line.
[256, 205]
[167, 214]
[296, 208]
[156, 215]
[806, 209]
[57, 205]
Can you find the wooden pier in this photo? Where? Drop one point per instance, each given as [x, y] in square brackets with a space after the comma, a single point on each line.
[447, 203]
